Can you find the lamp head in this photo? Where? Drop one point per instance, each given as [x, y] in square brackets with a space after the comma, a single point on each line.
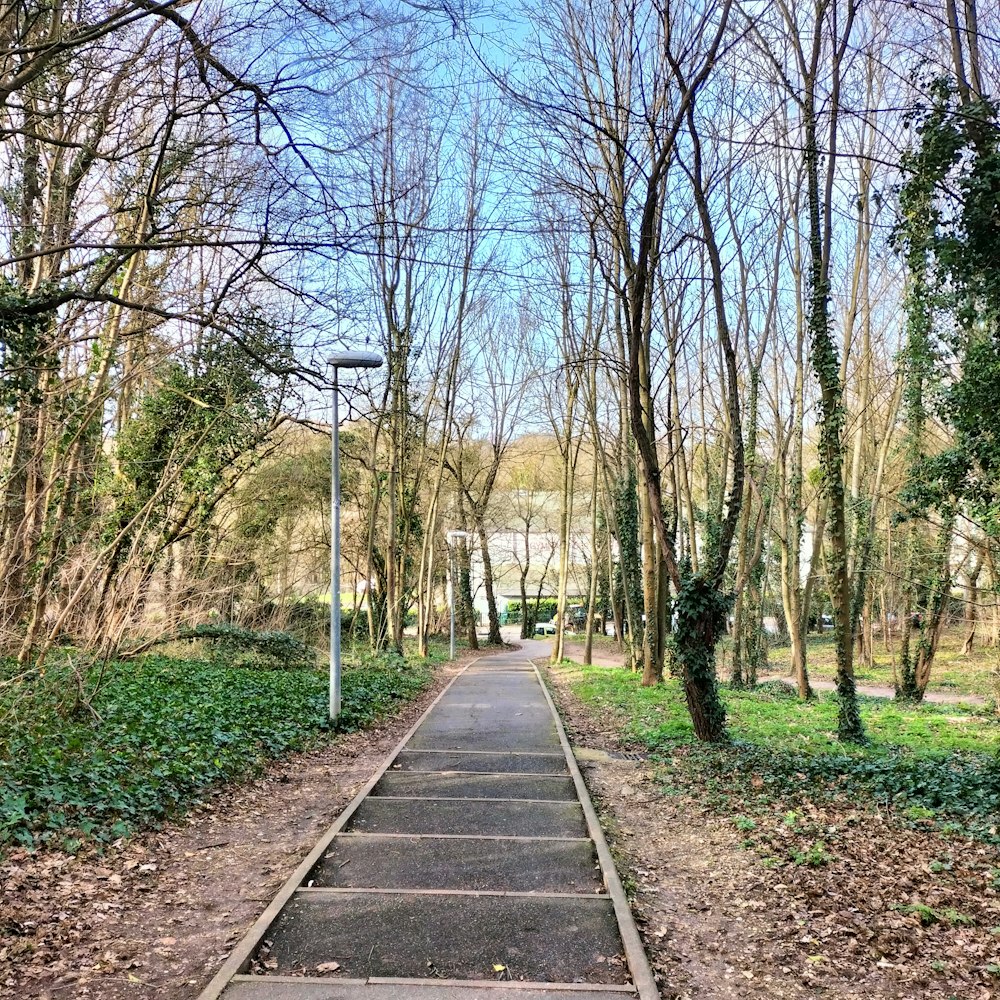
[355, 359]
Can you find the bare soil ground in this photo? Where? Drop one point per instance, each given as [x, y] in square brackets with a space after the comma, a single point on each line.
[153, 918]
[719, 922]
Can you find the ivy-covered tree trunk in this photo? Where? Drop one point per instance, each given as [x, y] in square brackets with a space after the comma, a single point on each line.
[701, 620]
[746, 610]
[925, 610]
[527, 617]
[972, 604]
[569, 453]
[626, 508]
[378, 628]
[466, 608]
[927, 575]
[494, 638]
[595, 548]
[21, 494]
[652, 653]
[750, 638]
[700, 607]
[826, 365]
[791, 519]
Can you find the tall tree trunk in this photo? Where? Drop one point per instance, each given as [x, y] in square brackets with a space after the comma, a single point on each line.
[972, 604]
[494, 638]
[595, 549]
[826, 367]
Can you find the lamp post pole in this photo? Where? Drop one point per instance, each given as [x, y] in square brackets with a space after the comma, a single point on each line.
[345, 359]
[452, 536]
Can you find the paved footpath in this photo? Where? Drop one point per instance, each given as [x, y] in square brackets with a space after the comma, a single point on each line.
[471, 866]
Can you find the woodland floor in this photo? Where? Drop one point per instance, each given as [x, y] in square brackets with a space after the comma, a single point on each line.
[153, 918]
[607, 654]
[720, 920]
[156, 916]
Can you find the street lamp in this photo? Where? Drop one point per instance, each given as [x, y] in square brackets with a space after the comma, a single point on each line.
[343, 359]
[452, 536]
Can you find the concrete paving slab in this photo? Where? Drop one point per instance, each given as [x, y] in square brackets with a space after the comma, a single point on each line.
[430, 880]
[488, 703]
[265, 988]
[485, 701]
[497, 679]
[498, 669]
[484, 704]
[500, 662]
[519, 694]
[476, 786]
[469, 816]
[361, 861]
[521, 763]
[462, 731]
[498, 675]
[555, 939]
[497, 710]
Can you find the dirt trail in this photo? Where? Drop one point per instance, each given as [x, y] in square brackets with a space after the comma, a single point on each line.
[872, 691]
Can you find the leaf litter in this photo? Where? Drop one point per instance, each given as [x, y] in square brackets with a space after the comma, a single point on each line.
[157, 915]
[808, 899]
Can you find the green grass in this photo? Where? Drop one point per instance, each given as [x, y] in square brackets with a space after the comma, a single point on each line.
[599, 640]
[952, 672]
[935, 761]
[167, 729]
[438, 648]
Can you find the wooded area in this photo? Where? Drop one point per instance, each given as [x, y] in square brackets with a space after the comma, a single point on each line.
[733, 264]
[690, 318]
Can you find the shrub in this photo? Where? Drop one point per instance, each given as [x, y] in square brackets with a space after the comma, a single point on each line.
[234, 646]
[547, 608]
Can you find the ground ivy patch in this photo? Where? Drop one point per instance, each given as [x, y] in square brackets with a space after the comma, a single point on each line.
[165, 730]
[927, 763]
